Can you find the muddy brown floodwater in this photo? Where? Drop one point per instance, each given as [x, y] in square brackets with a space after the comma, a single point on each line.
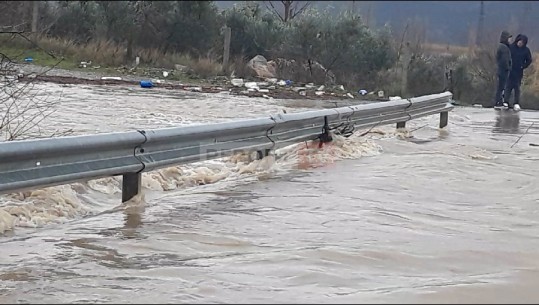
[414, 216]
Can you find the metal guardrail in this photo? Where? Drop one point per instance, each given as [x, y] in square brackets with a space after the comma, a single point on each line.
[47, 162]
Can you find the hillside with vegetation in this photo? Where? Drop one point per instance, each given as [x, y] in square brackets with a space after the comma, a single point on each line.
[299, 40]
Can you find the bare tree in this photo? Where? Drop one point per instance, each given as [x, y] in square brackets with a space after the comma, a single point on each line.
[35, 15]
[22, 106]
[481, 26]
[413, 36]
[289, 8]
[16, 12]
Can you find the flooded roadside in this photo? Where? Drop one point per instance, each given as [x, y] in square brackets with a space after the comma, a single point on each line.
[417, 216]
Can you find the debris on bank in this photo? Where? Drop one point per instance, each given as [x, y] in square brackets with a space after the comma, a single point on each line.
[264, 87]
[269, 88]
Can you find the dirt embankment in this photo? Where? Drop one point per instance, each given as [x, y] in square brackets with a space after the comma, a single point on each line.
[223, 84]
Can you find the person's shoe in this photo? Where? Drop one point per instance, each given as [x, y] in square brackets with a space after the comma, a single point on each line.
[516, 107]
[498, 106]
[505, 105]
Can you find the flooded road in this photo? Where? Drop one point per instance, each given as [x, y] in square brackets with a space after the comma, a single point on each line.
[417, 216]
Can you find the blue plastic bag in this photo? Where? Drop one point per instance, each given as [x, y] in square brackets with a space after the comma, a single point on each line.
[146, 84]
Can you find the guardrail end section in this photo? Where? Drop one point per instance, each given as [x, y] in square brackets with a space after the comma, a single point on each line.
[444, 119]
[131, 185]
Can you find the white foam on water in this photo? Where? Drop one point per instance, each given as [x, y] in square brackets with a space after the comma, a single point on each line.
[60, 203]
[40, 207]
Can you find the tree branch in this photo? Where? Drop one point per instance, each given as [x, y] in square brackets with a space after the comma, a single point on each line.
[21, 108]
[301, 10]
[273, 10]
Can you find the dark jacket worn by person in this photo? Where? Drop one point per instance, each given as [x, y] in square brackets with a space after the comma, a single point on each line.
[503, 60]
[503, 54]
[521, 57]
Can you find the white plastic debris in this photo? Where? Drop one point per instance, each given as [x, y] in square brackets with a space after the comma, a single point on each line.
[165, 73]
[237, 82]
[111, 78]
[321, 88]
[281, 83]
[341, 87]
[251, 85]
[84, 64]
[349, 95]
[395, 98]
[265, 96]
[319, 93]
[263, 90]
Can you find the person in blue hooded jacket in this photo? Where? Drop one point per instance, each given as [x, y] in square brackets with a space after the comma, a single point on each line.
[521, 58]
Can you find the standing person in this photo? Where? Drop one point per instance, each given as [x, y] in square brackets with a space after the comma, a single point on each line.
[503, 59]
[521, 58]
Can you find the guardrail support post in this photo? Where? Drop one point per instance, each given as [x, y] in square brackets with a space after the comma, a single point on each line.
[444, 118]
[262, 153]
[325, 137]
[131, 185]
[401, 125]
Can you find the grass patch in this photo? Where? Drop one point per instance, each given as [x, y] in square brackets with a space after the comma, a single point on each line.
[107, 55]
[40, 57]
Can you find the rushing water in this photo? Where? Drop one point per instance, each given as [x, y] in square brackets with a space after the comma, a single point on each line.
[422, 215]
